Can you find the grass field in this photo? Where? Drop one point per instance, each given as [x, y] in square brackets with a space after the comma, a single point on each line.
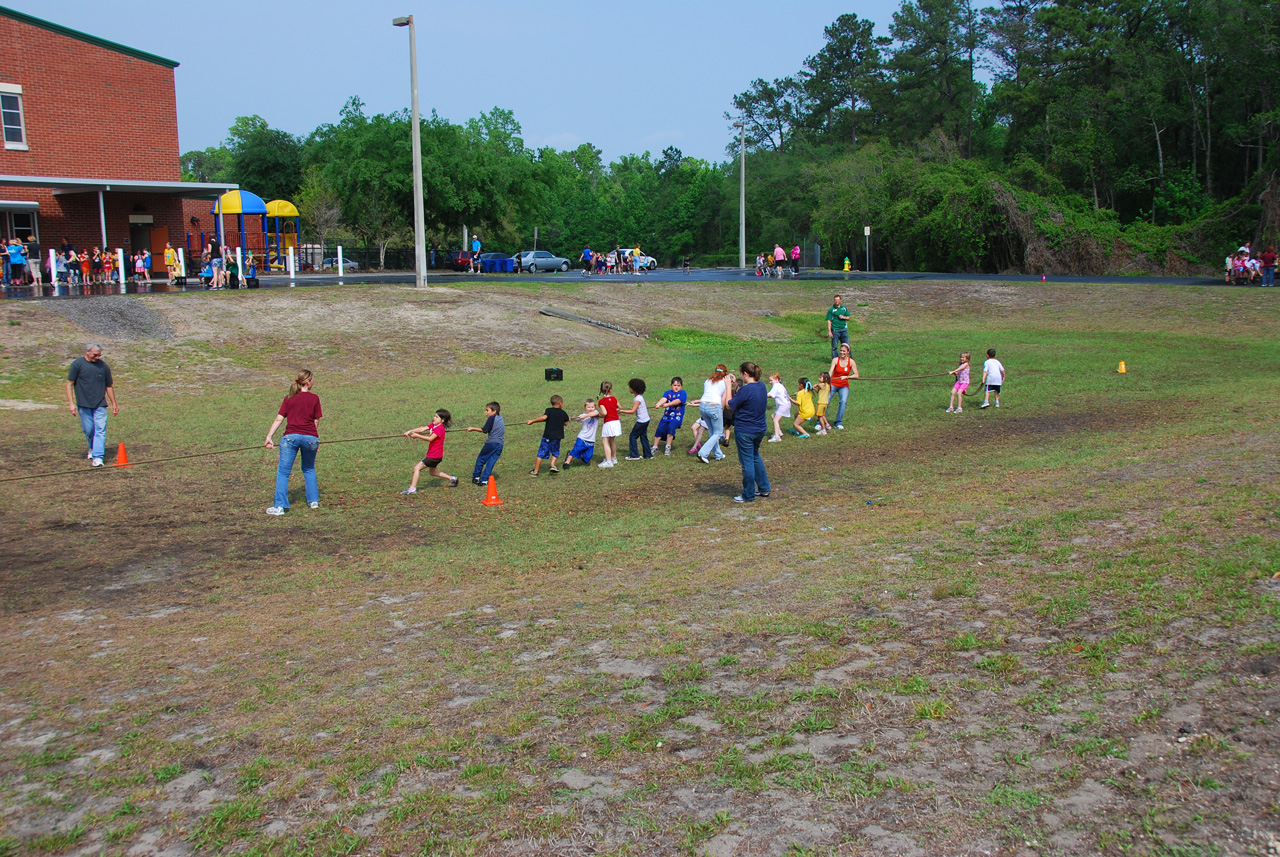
[1048, 629]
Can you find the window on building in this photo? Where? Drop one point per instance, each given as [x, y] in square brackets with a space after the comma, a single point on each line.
[24, 226]
[15, 132]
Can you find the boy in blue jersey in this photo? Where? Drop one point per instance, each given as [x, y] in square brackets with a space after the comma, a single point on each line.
[673, 416]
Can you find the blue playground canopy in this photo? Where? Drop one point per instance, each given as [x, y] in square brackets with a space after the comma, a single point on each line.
[239, 203]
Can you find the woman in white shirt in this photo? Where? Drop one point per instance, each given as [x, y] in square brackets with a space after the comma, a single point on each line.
[715, 393]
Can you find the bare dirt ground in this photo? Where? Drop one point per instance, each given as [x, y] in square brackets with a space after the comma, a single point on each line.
[904, 652]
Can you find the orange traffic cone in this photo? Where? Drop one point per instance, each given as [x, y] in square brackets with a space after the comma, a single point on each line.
[122, 457]
[491, 496]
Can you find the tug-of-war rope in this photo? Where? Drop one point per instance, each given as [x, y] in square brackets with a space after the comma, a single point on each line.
[82, 470]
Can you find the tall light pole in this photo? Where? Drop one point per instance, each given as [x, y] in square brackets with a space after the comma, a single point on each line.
[415, 133]
[742, 197]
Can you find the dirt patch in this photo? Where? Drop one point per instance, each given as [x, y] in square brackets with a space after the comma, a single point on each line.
[115, 317]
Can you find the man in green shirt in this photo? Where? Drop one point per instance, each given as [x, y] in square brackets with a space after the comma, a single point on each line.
[838, 326]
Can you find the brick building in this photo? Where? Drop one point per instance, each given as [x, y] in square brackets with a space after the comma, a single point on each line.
[90, 132]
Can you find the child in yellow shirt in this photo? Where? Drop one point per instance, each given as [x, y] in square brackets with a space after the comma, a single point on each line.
[803, 400]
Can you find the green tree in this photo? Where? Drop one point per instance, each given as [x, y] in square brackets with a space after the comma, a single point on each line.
[264, 160]
[842, 77]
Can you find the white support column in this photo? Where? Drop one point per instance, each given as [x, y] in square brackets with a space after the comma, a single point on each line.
[53, 270]
[102, 221]
[240, 267]
[182, 263]
[124, 275]
[292, 270]
[340, 266]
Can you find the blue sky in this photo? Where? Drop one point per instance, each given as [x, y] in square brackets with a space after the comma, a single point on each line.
[625, 77]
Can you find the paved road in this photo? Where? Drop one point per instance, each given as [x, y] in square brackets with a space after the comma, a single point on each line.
[659, 276]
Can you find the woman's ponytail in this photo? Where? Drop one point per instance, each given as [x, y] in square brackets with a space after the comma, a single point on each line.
[304, 379]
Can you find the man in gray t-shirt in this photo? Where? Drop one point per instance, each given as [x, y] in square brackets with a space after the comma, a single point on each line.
[89, 392]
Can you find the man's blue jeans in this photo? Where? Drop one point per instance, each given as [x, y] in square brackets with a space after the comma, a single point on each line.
[1269, 276]
[94, 423]
[754, 479]
[290, 446]
[838, 337]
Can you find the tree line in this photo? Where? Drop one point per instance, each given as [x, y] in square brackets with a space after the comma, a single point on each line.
[1033, 135]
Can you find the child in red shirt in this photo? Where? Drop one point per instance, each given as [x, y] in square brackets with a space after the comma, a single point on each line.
[433, 434]
[608, 408]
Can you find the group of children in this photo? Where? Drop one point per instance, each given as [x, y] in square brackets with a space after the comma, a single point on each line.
[603, 414]
[616, 261]
[993, 373]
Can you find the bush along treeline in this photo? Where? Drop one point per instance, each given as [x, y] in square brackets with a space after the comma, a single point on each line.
[1074, 136]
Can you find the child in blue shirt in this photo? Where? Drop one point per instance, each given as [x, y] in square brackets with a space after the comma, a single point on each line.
[495, 429]
[673, 416]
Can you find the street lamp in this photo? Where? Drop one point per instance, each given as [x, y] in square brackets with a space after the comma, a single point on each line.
[419, 227]
[742, 197]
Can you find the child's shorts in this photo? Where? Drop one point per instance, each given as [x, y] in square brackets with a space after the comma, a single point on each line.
[822, 410]
[961, 386]
[667, 427]
[613, 428]
[549, 448]
[431, 462]
[582, 451]
[993, 388]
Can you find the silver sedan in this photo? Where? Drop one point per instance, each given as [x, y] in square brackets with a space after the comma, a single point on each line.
[541, 260]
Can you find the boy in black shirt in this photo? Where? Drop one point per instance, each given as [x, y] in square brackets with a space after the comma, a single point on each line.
[556, 418]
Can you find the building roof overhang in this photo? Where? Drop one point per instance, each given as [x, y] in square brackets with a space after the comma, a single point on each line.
[62, 185]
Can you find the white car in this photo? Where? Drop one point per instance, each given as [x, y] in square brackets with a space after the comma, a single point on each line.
[644, 261]
[347, 264]
[540, 260]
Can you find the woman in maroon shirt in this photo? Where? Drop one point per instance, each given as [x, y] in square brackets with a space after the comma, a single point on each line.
[1268, 260]
[299, 411]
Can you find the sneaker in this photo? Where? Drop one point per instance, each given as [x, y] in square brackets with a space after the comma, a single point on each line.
[97, 462]
[634, 458]
[805, 436]
[959, 410]
[951, 410]
[477, 481]
[314, 505]
[89, 455]
[775, 440]
[409, 491]
[793, 431]
[763, 493]
[840, 426]
[997, 403]
[557, 469]
[453, 482]
[533, 473]
[724, 441]
[704, 459]
[667, 451]
[984, 405]
[606, 463]
[275, 510]
[740, 499]
[693, 450]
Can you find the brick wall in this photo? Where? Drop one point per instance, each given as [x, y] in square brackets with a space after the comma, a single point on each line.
[90, 112]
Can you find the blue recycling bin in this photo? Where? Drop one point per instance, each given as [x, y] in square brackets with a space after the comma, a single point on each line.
[497, 266]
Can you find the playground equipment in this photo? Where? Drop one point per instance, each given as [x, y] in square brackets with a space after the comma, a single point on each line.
[239, 203]
[277, 241]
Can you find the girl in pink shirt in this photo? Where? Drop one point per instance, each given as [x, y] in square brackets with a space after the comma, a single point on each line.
[433, 434]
